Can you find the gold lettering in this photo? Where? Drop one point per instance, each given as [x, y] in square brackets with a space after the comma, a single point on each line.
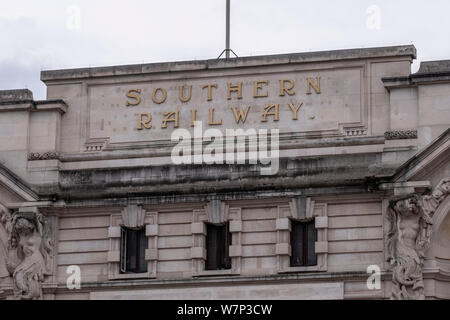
[257, 87]
[133, 94]
[167, 118]
[311, 83]
[181, 94]
[267, 112]
[241, 114]
[287, 90]
[142, 122]
[155, 98]
[194, 117]
[211, 118]
[209, 86]
[294, 110]
[235, 88]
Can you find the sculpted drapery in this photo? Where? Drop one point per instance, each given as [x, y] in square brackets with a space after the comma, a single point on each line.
[25, 251]
[408, 239]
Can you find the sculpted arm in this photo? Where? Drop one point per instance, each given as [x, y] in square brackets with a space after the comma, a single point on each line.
[392, 235]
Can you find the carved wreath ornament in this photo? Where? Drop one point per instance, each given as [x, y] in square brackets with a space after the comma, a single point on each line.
[408, 239]
[25, 252]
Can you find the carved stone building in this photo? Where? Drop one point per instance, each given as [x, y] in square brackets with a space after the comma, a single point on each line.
[90, 189]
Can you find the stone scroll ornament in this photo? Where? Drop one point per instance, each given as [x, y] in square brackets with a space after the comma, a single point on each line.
[25, 252]
[408, 239]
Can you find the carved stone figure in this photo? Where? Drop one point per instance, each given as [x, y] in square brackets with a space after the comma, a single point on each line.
[432, 202]
[29, 274]
[409, 238]
[5, 230]
[25, 251]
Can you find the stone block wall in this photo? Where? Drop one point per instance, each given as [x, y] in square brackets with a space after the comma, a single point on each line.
[349, 240]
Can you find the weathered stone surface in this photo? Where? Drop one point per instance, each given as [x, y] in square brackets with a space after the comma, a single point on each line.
[81, 159]
[27, 251]
[15, 95]
[309, 57]
[409, 237]
[400, 134]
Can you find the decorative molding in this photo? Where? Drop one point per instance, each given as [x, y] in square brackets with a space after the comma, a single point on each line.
[49, 155]
[133, 216]
[216, 212]
[353, 131]
[26, 251]
[94, 147]
[400, 134]
[96, 144]
[301, 208]
[410, 220]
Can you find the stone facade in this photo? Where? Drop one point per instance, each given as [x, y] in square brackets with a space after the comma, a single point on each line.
[364, 150]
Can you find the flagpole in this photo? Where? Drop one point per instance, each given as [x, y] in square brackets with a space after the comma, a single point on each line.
[227, 49]
[227, 36]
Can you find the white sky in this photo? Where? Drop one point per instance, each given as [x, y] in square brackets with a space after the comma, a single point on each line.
[50, 34]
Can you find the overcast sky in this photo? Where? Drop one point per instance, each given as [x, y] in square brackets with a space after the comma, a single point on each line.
[57, 34]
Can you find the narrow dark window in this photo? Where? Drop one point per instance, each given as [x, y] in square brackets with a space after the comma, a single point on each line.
[218, 238]
[132, 257]
[303, 238]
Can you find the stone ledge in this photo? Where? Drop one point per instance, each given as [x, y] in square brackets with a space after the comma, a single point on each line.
[327, 171]
[429, 71]
[154, 149]
[34, 106]
[436, 66]
[224, 279]
[48, 105]
[305, 57]
[15, 95]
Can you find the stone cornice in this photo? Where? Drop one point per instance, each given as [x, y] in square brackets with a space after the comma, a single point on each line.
[164, 147]
[195, 281]
[54, 104]
[337, 171]
[31, 105]
[408, 51]
[429, 72]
